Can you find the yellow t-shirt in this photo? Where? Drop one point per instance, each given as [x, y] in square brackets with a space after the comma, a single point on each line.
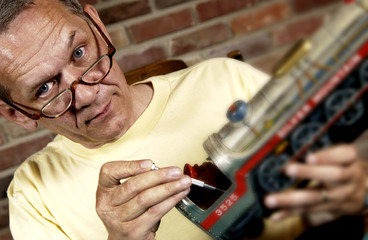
[52, 195]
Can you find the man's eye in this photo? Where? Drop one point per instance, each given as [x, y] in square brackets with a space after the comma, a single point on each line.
[45, 88]
[78, 53]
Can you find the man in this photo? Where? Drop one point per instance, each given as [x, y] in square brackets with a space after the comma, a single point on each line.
[58, 71]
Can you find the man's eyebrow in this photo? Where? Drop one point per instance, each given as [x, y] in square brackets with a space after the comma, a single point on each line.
[35, 86]
[71, 39]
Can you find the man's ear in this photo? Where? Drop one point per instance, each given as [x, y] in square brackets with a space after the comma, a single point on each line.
[94, 14]
[16, 117]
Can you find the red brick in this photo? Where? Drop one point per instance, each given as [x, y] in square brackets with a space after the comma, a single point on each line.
[118, 37]
[160, 26]
[15, 155]
[249, 47]
[160, 4]
[84, 2]
[297, 30]
[302, 6]
[200, 39]
[215, 8]
[259, 18]
[5, 234]
[124, 11]
[135, 60]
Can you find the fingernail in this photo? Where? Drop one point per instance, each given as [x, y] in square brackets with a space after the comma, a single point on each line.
[186, 181]
[291, 170]
[175, 172]
[271, 202]
[146, 164]
[311, 158]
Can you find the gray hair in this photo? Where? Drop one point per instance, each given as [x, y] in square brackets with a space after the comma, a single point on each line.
[10, 9]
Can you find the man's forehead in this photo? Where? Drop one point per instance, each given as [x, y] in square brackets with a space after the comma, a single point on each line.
[36, 17]
[41, 27]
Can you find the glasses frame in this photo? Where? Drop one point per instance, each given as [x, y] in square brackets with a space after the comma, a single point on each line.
[110, 53]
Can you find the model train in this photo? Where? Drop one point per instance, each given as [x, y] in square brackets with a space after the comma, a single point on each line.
[317, 97]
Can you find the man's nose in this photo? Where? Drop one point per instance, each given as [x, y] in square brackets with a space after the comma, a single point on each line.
[85, 95]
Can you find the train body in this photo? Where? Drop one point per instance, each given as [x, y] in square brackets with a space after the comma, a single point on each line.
[316, 98]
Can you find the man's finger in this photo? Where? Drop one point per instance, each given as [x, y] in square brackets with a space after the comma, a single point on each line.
[291, 199]
[321, 173]
[155, 208]
[156, 212]
[341, 154]
[112, 172]
[163, 182]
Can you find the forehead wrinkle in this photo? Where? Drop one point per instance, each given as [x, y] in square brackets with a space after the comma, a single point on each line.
[44, 24]
[55, 40]
[47, 32]
[16, 42]
[29, 71]
[5, 52]
[50, 70]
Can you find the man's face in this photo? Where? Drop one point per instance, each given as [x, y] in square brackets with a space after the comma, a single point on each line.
[42, 54]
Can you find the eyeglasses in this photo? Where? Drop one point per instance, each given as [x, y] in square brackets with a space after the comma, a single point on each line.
[62, 102]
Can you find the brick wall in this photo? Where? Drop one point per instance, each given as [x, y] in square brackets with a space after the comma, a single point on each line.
[145, 31]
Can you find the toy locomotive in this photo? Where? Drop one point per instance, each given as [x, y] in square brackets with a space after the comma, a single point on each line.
[317, 97]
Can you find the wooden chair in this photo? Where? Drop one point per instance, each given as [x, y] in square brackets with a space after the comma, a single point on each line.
[154, 69]
[165, 67]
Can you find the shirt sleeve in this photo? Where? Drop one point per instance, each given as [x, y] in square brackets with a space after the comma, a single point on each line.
[29, 217]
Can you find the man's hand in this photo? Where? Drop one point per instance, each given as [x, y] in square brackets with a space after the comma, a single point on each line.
[340, 190]
[132, 209]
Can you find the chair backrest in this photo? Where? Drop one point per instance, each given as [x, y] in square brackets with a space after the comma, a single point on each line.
[165, 67]
[154, 69]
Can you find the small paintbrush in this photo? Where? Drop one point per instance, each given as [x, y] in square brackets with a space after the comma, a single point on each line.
[195, 182]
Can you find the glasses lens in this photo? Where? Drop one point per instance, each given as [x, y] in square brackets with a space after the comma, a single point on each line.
[97, 71]
[59, 104]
